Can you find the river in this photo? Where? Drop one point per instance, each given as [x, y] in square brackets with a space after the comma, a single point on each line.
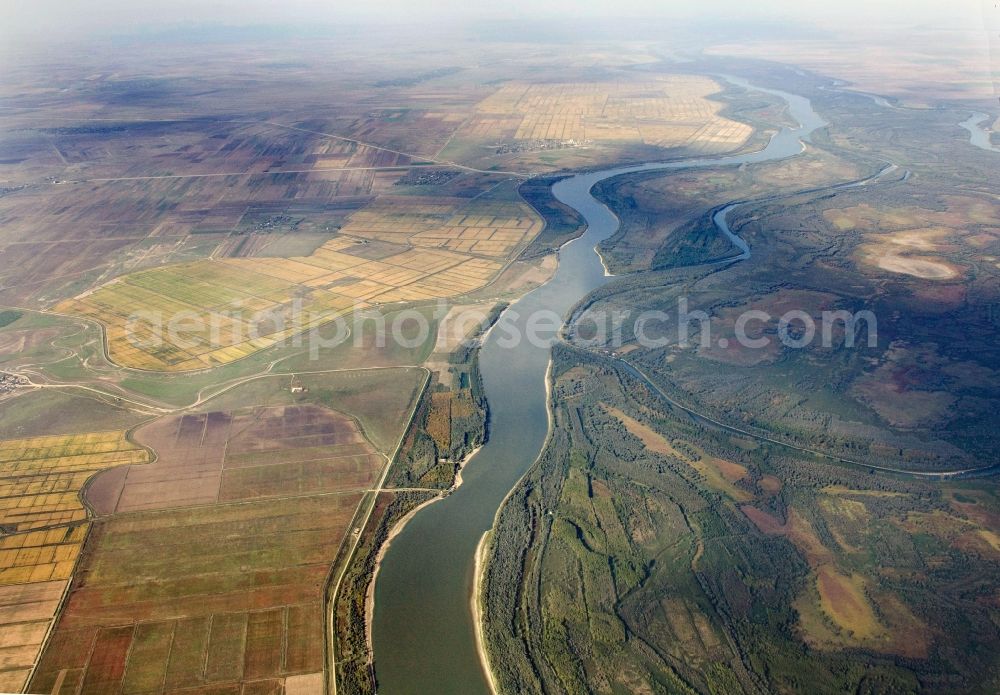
[423, 630]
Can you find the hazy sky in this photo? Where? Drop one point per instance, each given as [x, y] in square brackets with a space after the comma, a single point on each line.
[55, 19]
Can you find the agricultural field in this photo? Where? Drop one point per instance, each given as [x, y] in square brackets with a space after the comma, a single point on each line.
[43, 525]
[555, 125]
[225, 611]
[221, 457]
[133, 196]
[660, 553]
[236, 307]
[234, 529]
[380, 399]
[494, 229]
[65, 357]
[401, 249]
[167, 207]
[98, 184]
[669, 112]
[124, 172]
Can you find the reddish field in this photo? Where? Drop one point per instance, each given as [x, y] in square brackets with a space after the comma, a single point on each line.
[763, 521]
[207, 569]
[770, 484]
[221, 456]
[843, 599]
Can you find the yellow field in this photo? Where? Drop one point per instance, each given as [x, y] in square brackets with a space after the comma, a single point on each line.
[226, 309]
[672, 111]
[842, 598]
[42, 528]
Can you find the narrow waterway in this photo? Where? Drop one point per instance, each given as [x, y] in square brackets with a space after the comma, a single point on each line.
[423, 628]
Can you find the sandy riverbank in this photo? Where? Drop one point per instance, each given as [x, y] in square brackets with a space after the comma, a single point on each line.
[477, 581]
[461, 467]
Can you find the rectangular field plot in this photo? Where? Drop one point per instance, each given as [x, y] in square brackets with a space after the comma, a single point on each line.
[43, 525]
[206, 569]
[206, 313]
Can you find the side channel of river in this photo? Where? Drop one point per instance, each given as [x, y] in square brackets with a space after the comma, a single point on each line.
[979, 136]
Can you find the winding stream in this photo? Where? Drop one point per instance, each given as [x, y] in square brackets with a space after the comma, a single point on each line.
[423, 629]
